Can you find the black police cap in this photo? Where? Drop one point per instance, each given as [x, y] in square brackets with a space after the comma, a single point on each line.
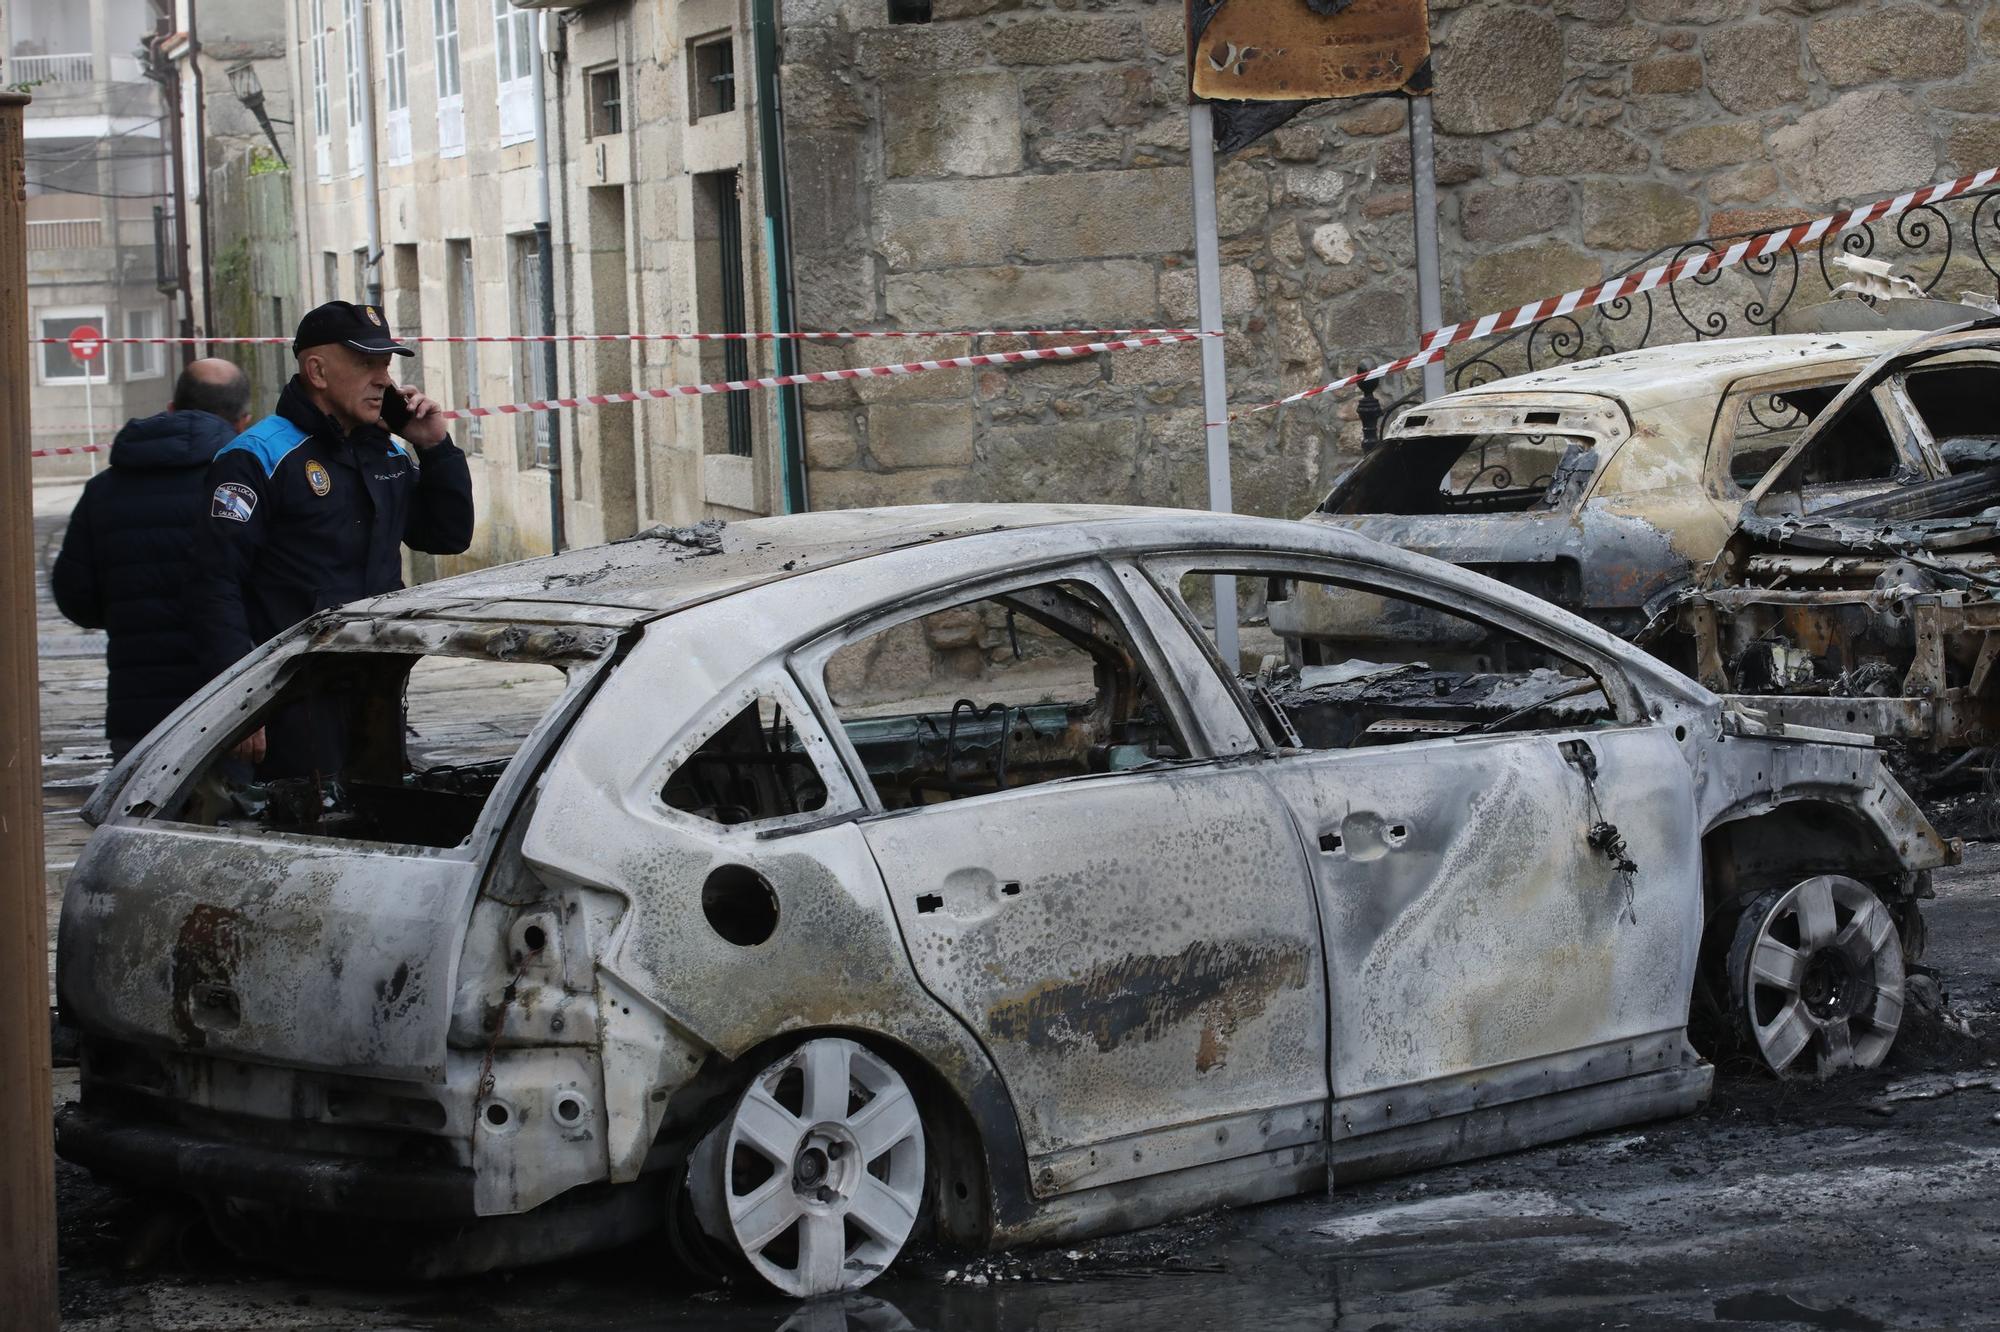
[361, 327]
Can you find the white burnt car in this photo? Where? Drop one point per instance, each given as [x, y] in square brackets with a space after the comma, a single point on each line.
[807, 885]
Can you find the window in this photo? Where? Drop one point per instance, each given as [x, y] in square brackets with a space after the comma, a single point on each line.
[58, 366]
[753, 767]
[720, 305]
[451, 96]
[1347, 665]
[1015, 688]
[322, 111]
[607, 107]
[462, 319]
[514, 56]
[1852, 457]
[329, 281]
[377, 746]
[909, 11]
[1494, 472]
[397, 81]
[144, 360]
[530, 359]
[1763, 423]
[712, 66]
[357, 72]
[361, 275]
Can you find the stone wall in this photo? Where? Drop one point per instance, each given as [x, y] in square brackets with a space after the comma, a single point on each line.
[1017, 162]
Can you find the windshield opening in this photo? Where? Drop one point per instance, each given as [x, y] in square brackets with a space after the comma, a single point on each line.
[1489, 472]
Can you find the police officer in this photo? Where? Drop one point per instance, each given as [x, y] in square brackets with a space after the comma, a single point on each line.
[310, 507]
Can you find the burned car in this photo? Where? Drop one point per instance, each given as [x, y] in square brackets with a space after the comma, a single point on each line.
[817, 883]
[1808, 517]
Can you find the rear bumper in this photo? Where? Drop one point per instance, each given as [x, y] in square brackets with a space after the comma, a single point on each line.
[178, 1159]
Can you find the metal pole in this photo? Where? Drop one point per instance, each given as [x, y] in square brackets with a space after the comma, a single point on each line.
[89, 416]
[1214, 387]
[1424, 204]
[27, 1140]
[545, 250]
[778, 247]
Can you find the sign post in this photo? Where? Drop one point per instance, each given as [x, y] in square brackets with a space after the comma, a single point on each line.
[86, 344]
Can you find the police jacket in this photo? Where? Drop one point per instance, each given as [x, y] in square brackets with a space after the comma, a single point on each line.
[127, 557]
[302, 517]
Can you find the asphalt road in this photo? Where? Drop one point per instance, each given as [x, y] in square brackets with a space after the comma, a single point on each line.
[1869, 1202]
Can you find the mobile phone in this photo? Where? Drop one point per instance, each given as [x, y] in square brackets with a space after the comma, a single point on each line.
[395, 410]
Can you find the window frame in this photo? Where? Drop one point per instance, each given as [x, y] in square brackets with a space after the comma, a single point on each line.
[396, 78]
[1165, 571]
[352, 41]
[844, 799]
[448, 77]
[516, 46]
[321, 95]
[150, 357]
[90, 372]
[808, 664]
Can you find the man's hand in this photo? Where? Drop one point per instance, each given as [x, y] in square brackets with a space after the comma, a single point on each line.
[250, 747]
[426, 427]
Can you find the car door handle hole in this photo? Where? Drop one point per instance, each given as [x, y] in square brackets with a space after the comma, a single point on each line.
[928, 902]
[1329, 842]
[1010, 889]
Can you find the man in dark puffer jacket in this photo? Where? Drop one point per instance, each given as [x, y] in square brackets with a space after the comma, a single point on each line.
[128, 554]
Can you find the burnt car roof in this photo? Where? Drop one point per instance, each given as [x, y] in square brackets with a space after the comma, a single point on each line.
[1654, 376]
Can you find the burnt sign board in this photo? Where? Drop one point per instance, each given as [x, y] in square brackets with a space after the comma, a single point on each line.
[1305, 50]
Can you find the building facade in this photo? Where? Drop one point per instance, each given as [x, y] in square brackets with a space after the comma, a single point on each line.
[1023, 163]
[99, 216]
[649, 137]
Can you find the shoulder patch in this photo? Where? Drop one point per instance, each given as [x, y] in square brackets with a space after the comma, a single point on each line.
[233, 500]
[268, 441]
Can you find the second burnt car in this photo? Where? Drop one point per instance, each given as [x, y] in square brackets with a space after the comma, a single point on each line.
[1810, 518]
[813, 884]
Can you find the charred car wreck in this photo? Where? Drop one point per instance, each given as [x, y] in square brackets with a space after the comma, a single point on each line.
[1806, 518]
[830, 880]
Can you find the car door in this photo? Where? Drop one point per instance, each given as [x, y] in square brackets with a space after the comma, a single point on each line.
[1134, 943]
[1521, 905]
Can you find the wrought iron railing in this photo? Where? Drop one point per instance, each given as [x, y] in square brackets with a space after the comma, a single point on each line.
[1944, 249]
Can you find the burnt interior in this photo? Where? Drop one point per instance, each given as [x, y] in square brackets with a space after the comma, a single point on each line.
[754, 767]
[1061, 693]
[353, 751]
[1489, 472]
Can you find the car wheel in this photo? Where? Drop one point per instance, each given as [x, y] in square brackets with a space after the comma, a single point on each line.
[1816, 977]
[816, 1174]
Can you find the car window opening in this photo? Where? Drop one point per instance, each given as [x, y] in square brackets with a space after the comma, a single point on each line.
[1010, 690]
[1768, 423]
[754, 767]
[1491, 472]
[379, 747]
[1345, 667]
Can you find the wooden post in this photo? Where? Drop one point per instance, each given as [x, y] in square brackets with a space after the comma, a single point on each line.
[27, 1145]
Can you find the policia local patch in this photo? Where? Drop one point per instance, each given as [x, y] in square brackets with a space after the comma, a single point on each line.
[233, 500]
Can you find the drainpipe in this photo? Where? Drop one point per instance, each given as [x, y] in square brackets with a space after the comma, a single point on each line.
[201, 169]
[778, 244]
[371, 210]
[545, 248]
[161, 71]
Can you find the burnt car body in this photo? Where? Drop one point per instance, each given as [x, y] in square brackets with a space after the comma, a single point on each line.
[862, 874]
[1808, 518]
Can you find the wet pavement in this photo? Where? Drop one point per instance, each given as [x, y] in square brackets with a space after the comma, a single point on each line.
[1869, 1202]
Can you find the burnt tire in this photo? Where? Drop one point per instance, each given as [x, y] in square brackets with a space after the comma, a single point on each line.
[1815, 977]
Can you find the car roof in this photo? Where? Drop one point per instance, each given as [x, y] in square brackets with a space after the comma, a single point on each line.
[1650, 377]
[667, 569]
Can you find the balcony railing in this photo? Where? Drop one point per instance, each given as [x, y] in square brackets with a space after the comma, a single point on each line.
[66, 234]
[71, 68]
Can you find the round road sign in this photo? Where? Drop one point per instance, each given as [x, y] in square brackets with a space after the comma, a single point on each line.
[86, 342]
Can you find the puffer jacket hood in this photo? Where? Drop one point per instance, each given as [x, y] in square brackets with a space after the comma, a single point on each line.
[170, 440]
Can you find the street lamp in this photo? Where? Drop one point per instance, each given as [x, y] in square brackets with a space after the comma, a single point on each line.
[249, 90]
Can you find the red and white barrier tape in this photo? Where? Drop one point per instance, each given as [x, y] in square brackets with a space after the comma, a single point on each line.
[66, 452]
[829, 376]
[1432, 345]
[847, 336]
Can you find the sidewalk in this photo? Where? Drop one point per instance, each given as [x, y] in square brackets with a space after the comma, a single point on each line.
[74, 755]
